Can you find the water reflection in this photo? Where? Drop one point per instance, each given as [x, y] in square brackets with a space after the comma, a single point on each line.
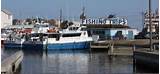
[100, 63]
[65, 62]
[32, 62]
[74, 62]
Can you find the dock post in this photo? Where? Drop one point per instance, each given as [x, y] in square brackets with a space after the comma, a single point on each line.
[134, 60]
[133, 48]
[134, 64]
[90, 51]
[154, 47]
[90, 47]
[111, 48]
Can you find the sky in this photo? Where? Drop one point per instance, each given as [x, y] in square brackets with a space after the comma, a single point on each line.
[131, 9]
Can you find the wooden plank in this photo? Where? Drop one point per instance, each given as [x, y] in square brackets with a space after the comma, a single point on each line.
[100, 47]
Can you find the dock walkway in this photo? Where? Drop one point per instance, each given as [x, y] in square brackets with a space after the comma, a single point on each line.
[121, 47]
[11, 63]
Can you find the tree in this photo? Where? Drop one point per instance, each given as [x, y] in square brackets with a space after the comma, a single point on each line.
[64, 24]
[51, 21]
[70, 23]
[29, 20]
[15, 21]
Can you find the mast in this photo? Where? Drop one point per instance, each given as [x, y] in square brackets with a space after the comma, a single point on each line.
[150, 24]
[82, 16]
[60, 16]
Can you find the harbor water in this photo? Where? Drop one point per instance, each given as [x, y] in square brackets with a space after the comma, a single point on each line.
[72, 62]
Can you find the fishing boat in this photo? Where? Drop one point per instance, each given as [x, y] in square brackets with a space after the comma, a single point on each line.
[42, 28]
[74, 37]
[13, 43]
[4, 34]
[35, 41]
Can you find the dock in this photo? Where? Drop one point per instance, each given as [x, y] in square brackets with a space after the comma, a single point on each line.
[10, 64]
[100, 45]
[121, 47]
[122, 51]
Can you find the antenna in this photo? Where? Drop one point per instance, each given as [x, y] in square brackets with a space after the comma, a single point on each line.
[60, 18]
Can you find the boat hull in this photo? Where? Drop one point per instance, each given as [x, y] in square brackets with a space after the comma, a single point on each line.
[75, 45]
[12, 45]
[32, 45]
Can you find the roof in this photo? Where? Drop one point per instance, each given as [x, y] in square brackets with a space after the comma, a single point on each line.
[6, 11]
[106, 26]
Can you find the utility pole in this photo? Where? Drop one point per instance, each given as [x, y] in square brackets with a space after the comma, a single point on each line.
[150, 24]
[60, 18]
[83, 13]
[143, 17]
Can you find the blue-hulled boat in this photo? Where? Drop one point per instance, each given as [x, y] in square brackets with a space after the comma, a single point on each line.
[10, 44]
[74, 37]
[36, 41]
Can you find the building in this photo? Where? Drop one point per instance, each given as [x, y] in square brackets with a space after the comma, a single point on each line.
[112, 32]
[6, 18]
[154, 21]
[110, 28]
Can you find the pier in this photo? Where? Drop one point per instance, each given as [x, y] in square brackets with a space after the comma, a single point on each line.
[10, 64]
[121, 47]
[99, 45]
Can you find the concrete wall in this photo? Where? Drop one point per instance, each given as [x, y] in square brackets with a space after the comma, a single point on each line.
[6, 19]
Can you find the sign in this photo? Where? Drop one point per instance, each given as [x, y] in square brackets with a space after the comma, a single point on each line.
[105, 21]
[95, 21]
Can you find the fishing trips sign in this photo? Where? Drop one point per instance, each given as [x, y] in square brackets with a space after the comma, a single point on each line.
[105, 21]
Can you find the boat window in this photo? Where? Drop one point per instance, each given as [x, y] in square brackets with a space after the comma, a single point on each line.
[73, 28]
[71, 35]
[45, 34]
[44, 25]
[35, 35]
[53, 35]
[41, 26]
[83, 29]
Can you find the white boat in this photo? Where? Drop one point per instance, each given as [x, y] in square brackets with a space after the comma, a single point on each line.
[74, 37]
[41, 28]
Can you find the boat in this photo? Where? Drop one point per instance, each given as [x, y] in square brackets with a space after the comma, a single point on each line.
[34, 42]
[13, 43]
[42, 28]
[4, 34]
[74, 37]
